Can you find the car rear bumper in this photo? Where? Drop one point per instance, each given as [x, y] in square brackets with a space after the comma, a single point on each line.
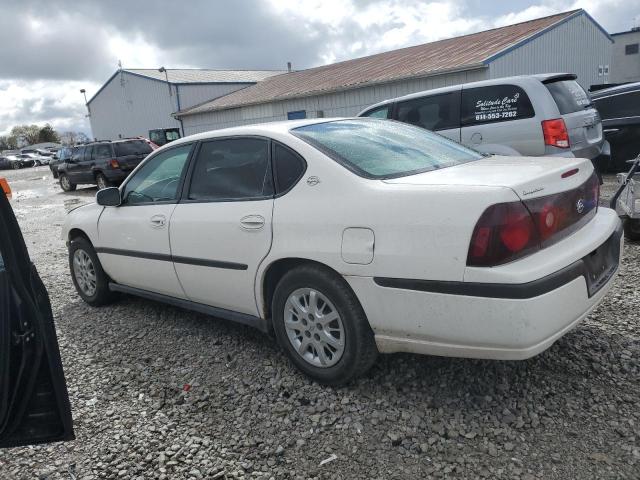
[481, 320]
[116, 175]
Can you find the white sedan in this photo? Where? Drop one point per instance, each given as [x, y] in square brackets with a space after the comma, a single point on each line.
[350, 237]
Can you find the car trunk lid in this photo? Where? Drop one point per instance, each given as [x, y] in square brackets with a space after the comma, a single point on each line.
[528, 177]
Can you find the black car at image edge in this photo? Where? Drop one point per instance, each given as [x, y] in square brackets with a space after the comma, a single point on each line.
[102, 163]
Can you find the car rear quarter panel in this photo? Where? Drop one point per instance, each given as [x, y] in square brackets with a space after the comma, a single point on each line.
[420, 231]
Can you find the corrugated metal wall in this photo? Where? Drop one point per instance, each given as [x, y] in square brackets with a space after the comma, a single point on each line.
[625, 68]
[340, 104]
[130, 105]
[577, 46]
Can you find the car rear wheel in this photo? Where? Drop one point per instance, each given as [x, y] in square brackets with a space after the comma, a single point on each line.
[16, 165]
[102, 182]
[90, 280]
[320, 324]
[66, 184]
[632, 229]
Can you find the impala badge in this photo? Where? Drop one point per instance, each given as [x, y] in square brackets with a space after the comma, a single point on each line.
[580, 206]
[313, 181]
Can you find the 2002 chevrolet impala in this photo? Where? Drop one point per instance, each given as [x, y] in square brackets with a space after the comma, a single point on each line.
[350, 237]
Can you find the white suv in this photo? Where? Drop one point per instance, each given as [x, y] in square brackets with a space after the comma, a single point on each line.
[351, 237]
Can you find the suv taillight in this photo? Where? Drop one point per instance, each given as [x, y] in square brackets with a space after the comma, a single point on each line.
[555, 133]
[114, 163]
[508, 231]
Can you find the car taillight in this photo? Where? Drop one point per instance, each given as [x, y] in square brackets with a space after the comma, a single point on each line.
[504, 232]
[555, 133]
[507, 231]
[114, 163]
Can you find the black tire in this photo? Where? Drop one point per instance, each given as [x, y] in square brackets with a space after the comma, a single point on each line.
[102, 182]
[102, 295]
[360, 350]
[16, 166]
[66, 184]
[632, 229]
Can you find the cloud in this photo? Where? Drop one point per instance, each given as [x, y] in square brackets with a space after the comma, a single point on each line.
[49, 49]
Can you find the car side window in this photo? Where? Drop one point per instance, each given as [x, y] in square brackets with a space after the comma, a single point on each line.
[77, 154]
[288, 167]
[619, 106]
[494, 103]
[87, 153]
[158, 179]
[101, 151]
[232, 169]
[437, 112]
[380, 112]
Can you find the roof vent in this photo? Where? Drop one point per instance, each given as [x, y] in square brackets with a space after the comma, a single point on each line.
[289, 67]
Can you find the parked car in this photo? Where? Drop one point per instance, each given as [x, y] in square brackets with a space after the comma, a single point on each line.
[532, 115]
[21, 160]
[102, 163]
[351, 237]
[35, 403]
[619, 108]
[61, 156]
[5, 163]
[37, 158]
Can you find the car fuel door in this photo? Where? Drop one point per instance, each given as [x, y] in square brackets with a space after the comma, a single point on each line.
[34, 404]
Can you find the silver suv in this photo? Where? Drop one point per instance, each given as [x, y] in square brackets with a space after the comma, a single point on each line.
[532, 115]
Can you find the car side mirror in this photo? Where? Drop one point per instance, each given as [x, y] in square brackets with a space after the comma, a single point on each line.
[109, 197]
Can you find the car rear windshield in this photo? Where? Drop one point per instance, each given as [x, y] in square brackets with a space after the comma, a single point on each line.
[134, 147]
[569, 96]
[375, 148]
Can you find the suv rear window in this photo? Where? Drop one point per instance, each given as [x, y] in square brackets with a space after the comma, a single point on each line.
[494, 103]
[569, 96]
[378, 149]
[133, 147]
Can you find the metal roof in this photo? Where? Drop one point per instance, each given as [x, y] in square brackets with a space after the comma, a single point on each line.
[191, 75]
[454, 54]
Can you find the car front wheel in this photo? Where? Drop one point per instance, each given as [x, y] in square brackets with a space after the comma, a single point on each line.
[66, 184]
[16, 165]
[90, 280]
[321, 325]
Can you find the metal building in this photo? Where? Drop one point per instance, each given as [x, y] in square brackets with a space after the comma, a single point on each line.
[134, 101]
[625, 62]
[567, 42]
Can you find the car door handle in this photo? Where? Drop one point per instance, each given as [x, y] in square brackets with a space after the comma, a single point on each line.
[158, 221]
[252, 222]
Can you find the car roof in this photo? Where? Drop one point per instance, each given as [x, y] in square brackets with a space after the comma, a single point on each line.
[516, 79]
[627, 87]
[257, 129]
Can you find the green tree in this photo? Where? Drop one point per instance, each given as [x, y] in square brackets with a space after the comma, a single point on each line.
[48, 134]
[25, 134]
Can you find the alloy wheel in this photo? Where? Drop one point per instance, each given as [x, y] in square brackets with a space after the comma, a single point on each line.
[314, 327]
[84, 272]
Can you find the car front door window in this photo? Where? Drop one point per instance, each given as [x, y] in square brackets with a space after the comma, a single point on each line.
[158, 179]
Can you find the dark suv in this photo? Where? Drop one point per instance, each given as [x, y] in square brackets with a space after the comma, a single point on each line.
[102, 163]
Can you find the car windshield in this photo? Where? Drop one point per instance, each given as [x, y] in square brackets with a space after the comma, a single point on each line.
[375, 148]
[134, 147]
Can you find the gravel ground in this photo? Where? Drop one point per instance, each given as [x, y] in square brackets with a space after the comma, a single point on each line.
[571, 412]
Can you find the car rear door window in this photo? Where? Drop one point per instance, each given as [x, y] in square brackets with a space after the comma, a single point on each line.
[87, 153]
[380, 112]
[133, 147]
[288, 167]
[437, 112]
[158, 179]
[621, 105]
[569, 96]
[494, 103]
[232, 169]
[102, 151]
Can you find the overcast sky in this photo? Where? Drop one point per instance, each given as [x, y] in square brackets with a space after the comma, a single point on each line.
[50, 49]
